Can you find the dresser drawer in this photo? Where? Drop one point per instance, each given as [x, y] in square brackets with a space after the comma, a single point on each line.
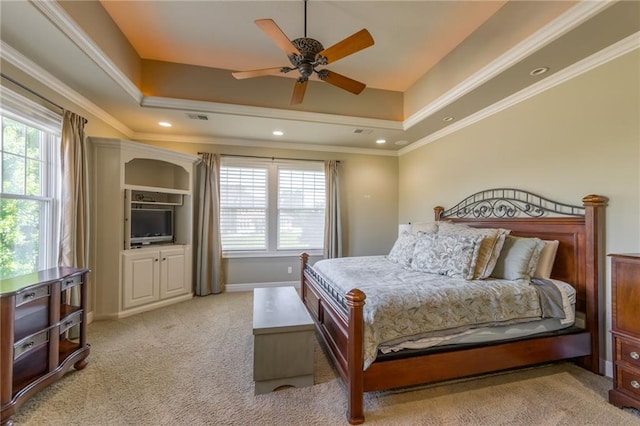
[628, 351]
[629, 381]
[30, 343]
[70, 321]
[70, 282]
[32, 294]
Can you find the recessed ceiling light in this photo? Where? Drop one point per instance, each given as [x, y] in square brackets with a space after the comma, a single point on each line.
[381, 141]
[539, 71]
[447, 119]
[278, 133]
[165, 124]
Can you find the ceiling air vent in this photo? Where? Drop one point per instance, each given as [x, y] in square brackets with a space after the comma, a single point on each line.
[198, 117]
[362, 131]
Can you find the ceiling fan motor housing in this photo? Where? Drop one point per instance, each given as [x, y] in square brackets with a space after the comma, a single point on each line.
[305, 62]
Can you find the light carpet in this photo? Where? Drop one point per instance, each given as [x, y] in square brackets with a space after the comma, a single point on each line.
[191, 364]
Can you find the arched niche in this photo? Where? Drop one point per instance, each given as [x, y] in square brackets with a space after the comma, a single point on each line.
[156, 173]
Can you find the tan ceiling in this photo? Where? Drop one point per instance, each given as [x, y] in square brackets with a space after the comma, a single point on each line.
[140, 62]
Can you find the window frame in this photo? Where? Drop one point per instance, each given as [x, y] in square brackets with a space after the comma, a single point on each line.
[272, 228]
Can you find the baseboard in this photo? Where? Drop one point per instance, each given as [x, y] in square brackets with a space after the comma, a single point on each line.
[608, 368]
[250, 286]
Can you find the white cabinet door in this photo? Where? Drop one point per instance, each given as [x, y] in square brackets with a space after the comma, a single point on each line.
[141, 278]
[173, 272]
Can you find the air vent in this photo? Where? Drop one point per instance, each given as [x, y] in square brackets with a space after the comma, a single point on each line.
[362, 131]
[198, 117]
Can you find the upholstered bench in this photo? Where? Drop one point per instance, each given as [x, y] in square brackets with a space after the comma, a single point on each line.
[283, 334]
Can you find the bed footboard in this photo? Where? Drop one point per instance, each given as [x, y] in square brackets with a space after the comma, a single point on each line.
[339, 321]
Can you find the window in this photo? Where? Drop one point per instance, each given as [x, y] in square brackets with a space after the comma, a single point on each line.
[28, 186]
[271, 207]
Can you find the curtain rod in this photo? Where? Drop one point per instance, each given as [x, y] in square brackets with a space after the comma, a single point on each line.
[266, 158]
[31, 91]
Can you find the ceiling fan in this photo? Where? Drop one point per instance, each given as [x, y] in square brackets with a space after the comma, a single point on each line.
[306, 54]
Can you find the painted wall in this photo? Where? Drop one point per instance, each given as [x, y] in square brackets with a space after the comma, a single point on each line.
[578, 138]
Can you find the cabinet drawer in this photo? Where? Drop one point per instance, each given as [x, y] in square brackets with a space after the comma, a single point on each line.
[628, 352]
[30, 343]
[629, 381]
[70, 321]
[32, 294]
[70, 282]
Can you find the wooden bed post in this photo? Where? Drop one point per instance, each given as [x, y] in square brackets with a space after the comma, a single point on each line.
[594, 225]
[355, 357]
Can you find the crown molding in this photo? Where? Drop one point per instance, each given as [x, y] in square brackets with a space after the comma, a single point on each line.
[260, 144]
[253, 111]
[556, 28]
[35, 71]
[63, 21]
[607, 54]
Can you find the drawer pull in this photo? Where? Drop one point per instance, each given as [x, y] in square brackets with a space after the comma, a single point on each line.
[28, 345]
[29, 295]
[68, 323]
[634, 355]
[635, 384]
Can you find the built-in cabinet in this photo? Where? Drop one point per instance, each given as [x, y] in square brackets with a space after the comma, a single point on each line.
[43, 334]
[138, 269]
[152, 274]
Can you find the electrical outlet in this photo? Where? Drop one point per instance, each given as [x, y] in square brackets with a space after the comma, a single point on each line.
[289, 270]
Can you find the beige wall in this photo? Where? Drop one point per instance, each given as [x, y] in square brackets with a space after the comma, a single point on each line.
[579, 138]
[369, 198]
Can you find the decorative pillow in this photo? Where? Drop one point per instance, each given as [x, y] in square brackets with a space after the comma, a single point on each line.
[547, 257]
[492, 242]
[451, 255]
[402, 251]
[425, 228]
[518, 258]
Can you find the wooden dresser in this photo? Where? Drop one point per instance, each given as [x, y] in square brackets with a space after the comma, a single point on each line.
[42, 332]
[625, 312]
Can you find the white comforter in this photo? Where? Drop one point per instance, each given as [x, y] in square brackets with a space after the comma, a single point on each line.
[402, 303]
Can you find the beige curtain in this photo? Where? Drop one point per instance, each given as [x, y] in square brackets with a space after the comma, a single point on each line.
[74, 228]
[332, 222]
[209, 274]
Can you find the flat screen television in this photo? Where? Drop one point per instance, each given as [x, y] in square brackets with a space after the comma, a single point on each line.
[151, 226]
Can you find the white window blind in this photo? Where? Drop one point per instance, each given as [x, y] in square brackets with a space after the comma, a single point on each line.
[270, 206]
[301, 203]
[243, 208]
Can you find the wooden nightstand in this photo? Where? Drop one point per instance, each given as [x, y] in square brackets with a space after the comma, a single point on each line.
[625, 320]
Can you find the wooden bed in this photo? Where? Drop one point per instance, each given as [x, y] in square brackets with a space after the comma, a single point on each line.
[579, 261]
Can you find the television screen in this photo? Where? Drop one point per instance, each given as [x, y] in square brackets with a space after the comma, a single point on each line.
[151, 226]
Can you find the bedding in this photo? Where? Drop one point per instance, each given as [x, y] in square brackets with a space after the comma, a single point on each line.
[403, 302]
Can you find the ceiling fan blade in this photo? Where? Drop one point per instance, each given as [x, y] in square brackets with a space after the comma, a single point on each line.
[256, 73]
[298, 92]
[341, 81]
[352, 44]
[273, 31]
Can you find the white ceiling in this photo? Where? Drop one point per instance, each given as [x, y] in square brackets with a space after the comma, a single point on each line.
[411, 39]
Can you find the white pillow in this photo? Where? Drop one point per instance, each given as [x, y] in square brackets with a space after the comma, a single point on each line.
[402, 251]
[424, 227]
[450, 255]
[547, 257]
[492, 242]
